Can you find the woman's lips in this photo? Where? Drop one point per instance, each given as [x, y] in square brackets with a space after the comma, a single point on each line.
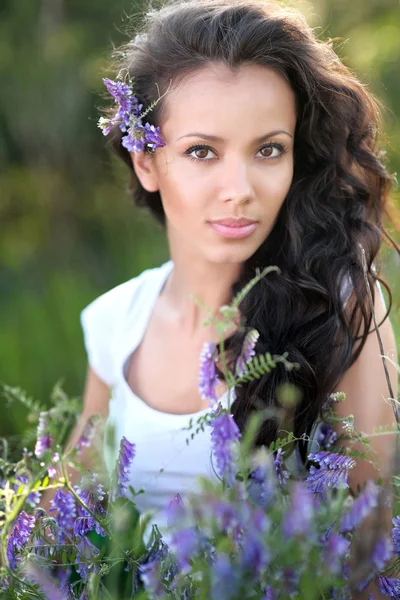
[233, 231]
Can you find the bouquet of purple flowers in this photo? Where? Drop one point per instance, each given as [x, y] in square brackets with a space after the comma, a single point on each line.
[256, 533]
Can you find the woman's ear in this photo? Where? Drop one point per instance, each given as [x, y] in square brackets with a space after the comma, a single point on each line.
[145, 169]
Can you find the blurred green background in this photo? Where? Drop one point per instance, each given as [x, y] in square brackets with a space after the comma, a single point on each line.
[69, 229]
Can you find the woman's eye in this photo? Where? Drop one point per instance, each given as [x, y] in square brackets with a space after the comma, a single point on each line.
[267, 151]
[199, 153]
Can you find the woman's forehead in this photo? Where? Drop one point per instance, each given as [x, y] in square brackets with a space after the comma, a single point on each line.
[217, 95]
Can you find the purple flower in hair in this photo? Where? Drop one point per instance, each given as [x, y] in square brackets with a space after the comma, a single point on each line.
[224, 433]
[128, 118]
[248, 351]
[127, 451]
[44, 440]
[19, 536]
[208, 373]
[279, 465]
[333, 471]
[153, 137]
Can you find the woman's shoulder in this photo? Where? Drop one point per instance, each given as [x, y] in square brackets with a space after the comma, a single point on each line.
[109, 313]
[126, 294]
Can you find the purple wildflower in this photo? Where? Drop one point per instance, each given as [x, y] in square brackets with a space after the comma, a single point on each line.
[52, 472]
[175, 510]
[127, 451]
[91, 493]
[254, 554]
[34, 497]
[226, 514]
[44, 581]
[151, 577]
[325, 436]
[134, 141]
[184, 544]
[224, 432]
[19, 536]
[44, 440]
[333, 471]
[87, 435]
[270, 594]
[153, 138]
[299, 518]
[208, 373]
[261, 485]
[247, 352]
[279, 465]
[335, 550]
[64, 503]
[389, 587]
[361, 507]
[224, 578]
[396, 534]
[382, 552]
[86, 553]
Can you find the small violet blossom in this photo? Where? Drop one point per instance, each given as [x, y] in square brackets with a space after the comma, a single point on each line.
[396, 534]
[91, 494]
[224, 433]
[127, 451]
[279, 465]
[361, 507]
[208, 379]
[128, 118]
[247, 352]
[44, 440]
[19, 536]
[333, 471]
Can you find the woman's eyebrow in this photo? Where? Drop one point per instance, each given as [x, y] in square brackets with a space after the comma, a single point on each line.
[215, 138]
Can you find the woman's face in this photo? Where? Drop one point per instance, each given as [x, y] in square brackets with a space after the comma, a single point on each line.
[229, 154]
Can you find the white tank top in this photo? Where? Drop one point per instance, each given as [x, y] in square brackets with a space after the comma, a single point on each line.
[113, 326]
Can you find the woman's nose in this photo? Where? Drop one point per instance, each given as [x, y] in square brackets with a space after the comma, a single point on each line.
[236, 185]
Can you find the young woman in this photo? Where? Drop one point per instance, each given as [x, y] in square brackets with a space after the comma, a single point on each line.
[266, 154]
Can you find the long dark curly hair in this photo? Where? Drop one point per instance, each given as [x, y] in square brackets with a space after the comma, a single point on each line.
[336, 203]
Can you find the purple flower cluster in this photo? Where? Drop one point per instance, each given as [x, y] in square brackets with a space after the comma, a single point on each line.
[224, 433]
[299, 517]
[333, 471]
[280, 470]
[127, 451]
[63, 504]
[44, 440]
[208, 379]
[91, 493]
[19, 536]
[87, 435]
[128, 118]
[247, 352]
[361, 507]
